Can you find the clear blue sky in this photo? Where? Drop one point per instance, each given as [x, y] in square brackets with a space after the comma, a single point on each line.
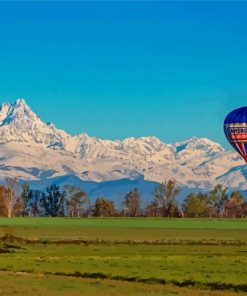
[114, 70]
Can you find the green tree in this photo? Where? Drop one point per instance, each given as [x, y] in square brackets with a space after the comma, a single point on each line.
[166, 196]
[53, 201]
[195, 205]
[217, 198]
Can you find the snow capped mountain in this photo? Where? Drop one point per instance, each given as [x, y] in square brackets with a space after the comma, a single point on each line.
[39, 152]
[202, 146]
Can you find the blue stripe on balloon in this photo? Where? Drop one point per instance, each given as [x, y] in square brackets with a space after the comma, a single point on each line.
[245, 146]
[237, 116]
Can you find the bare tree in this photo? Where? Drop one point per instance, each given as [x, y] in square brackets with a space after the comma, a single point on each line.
[75, 199]
[132, 203]
[12, 201]
[3, 205]
[152, 209]
[235, 206]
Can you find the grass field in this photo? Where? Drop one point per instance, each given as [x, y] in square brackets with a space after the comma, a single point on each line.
[62, 256]
[127, 223]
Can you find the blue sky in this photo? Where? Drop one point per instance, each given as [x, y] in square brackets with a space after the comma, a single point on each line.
[120, 69]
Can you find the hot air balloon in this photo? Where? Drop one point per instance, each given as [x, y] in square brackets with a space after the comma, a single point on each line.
[235, 128]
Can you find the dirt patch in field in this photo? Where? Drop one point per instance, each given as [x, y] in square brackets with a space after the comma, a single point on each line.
[9, 238]
[4, 250]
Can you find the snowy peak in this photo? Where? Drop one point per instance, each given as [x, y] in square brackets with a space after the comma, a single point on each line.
[145, 144]
[198, 144]
[20, 124]
[18, 113]
[20, 103]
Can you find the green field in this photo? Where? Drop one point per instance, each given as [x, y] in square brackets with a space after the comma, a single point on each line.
[172, 223]
[116, 256]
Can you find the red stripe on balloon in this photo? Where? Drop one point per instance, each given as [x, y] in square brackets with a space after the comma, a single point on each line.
[238, 148]
[240, 145]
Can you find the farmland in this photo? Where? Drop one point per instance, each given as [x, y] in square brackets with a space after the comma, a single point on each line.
[116, 256]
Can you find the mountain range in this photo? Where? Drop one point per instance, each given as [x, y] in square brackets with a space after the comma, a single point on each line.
[41, 154]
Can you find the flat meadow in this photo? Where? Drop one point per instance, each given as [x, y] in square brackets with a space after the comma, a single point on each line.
[123, 256]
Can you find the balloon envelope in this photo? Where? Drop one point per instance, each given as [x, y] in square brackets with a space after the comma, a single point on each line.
[235, 128]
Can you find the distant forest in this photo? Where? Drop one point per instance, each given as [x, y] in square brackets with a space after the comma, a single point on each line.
[70, 201]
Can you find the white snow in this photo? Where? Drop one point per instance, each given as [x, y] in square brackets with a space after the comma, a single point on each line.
[31, 149]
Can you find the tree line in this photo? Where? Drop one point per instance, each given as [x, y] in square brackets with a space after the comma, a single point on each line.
[71, 201]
